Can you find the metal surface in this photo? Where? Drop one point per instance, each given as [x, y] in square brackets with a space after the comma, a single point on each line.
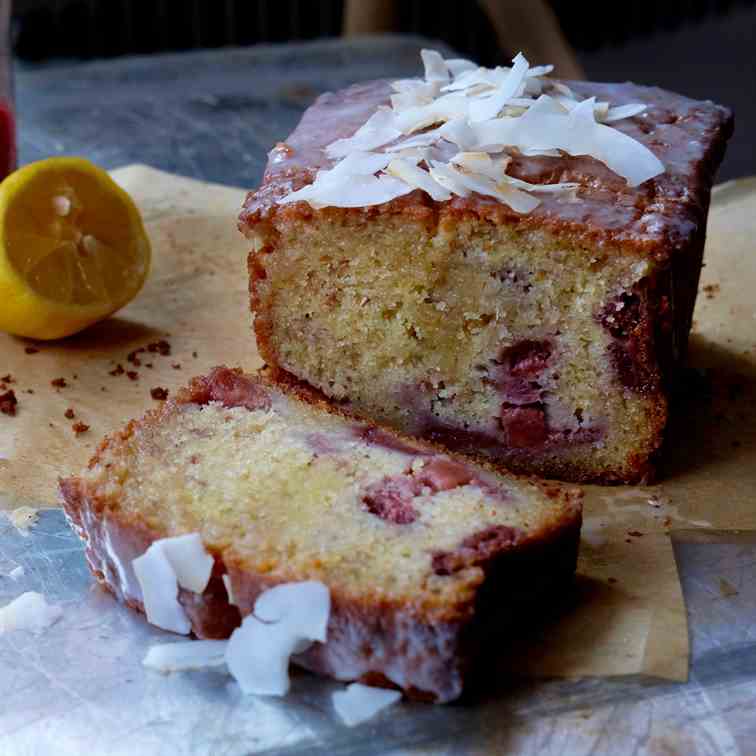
[212, 115]
[80, 687]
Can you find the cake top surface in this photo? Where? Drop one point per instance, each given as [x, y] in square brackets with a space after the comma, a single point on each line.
[586, 197]
[281, 488]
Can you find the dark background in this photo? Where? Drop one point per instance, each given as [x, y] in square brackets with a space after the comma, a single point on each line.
[702, 48]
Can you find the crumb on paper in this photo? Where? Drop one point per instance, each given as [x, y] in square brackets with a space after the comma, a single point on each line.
[132, 375]
[161, 347]
[159, 393]
[194, 354]
[8, 378]
[31, 350]
[726, 588]
[8, 402]
[176, 366]
[117, 370]
[711, 290]
[23, 518]
[132, 356]
[69, 414]
[79, 428]
[634, 533]
[58, 382]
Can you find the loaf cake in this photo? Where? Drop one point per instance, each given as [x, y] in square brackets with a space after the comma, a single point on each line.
[417, 548]
[490, 259]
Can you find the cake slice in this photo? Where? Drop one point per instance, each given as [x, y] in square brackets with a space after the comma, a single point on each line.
[418, 549]
[492, 260]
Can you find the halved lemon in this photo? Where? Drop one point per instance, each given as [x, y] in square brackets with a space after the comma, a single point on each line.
[73, 248]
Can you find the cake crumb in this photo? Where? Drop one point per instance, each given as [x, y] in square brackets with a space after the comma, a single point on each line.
[132, 356]
[726, 588]
[8, 379]
[711, 290]
[634, 533]
[58, 382]
[79, 428]
[159, 393]
[31, 350]
[176, 366]
[117, 370]
[69, 414]
[8, 402]
[132, 375]
[194, 354]
[161, 347]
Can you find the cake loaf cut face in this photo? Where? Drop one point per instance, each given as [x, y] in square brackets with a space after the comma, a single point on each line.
[545, 341]
[416, 548]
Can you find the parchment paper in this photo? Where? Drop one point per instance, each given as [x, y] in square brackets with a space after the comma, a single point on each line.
[628, 615]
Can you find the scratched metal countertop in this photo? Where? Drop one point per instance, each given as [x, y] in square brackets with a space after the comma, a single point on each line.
[81, 688]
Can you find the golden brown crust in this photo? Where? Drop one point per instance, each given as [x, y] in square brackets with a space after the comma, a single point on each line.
[441, 639]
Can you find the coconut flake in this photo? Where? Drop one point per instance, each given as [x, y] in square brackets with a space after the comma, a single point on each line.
[519, 201]
[435, 66]
[538, 71]
[186, 655]
[483, 110]
[167, 564]
[479, 110]
[620, 152]
[16, 573]
[482, 163]
[30, 611]
[160, 591]
[624, 111]
[358, 702]
[576, 133]
[359, 191]
[286, 620]
[190, 561]
[417, 178]
[458, 66]
[377, 131]
[448, 178]
[440, 110]
[563, 89]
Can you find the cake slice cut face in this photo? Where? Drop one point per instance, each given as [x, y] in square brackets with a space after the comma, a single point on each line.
[535, 324]
[417, 548]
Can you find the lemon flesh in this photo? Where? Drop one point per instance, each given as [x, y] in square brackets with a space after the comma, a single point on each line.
[73, 248]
